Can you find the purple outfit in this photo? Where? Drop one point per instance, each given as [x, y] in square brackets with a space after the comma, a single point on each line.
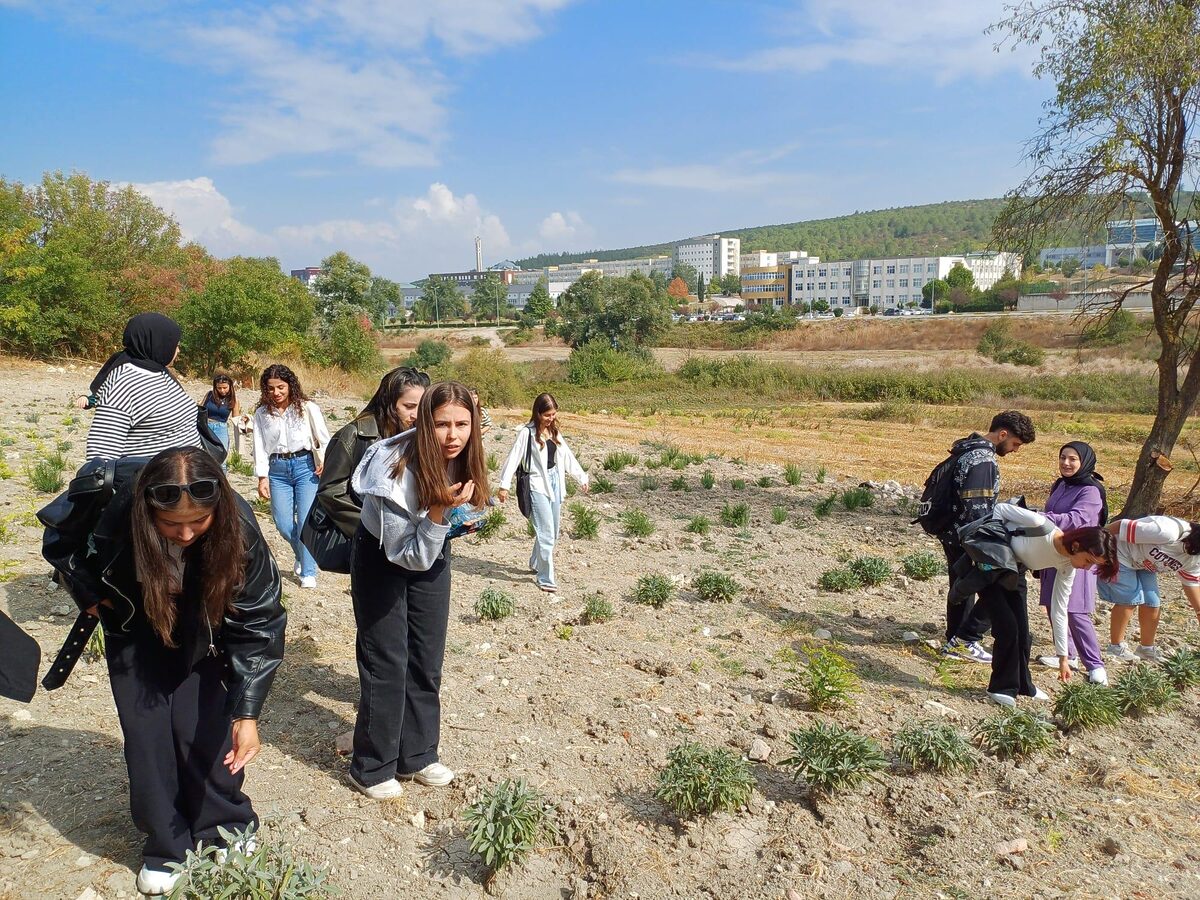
[1076, 506]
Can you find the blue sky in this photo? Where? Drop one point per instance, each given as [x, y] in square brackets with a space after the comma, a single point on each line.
[399, 130]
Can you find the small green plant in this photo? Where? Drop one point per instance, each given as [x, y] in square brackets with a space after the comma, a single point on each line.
[637, 523]
[493, 462]
[596, 609]
[1183, 668]
[716, 587]
[821, 473]
[1142, 689]
[828, 679]
[490, 524]
[46, 475]
[239, 465]
[572, 489]
[824, 507]
[529, 529]
[839, 580]
[921, 566]
[738, 484]
[680, 483]
[563, 632]
[1083, 705]
[602, 485]
[871, 570]
[64, 446]
[779, 515]
[857, 498]
[936, 746]
[618, 460]
[792, 474]
[94, 651]
[585, 522]
[494, 604]
[506, 822]
[253, 868]
[650, 483]
[654, 590]
[735, 515]
[830, 758]
[707, 480]
[6, 471]
[32, 418]
[698, 525]
[765, 482]
[1014, 733]
[700, 780]
[260, 506]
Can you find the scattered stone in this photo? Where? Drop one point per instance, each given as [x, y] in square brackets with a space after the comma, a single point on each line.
[62, 610]
[704, 687]
[418, 820]
[89, 894]
[940, 708]
[822, 634]
[792, 894]
[759, 750]
[1013, 847]
[1111, 846]
[841, 868]
[344, 743]
[1014, 861]
[909, 636]
[84, 861]
[21, 715]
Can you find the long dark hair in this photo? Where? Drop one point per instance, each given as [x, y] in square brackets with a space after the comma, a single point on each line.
[382, 406]
[543, 404]
[279, 371]
[422, 455]
[221, 549]
[230, 399]
[1191, 540]
[1098, 542]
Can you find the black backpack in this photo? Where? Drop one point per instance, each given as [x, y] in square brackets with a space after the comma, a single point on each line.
[939, 505]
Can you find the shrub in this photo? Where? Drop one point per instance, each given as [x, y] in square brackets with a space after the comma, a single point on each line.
[791, 474]
[596, 609]
[839, 579]
[828, 679]
[779, 515]
[506, 822]
[830, 758]
[738, 484]
[679, 483]
[1183, 668]
[598, 363]
[1083, 705]
[352, 343]
[934, 745]
[585, 522]
[490, 524]
[618, 460]
[765, 482]
[650, 483]
[602, 485]
[494, 604]
[493, 462]
[239, 465]
[637, 523]
[267, 872]
[1014, 733]
[998, 343]
[428, 355]
[697, 525]
[47, 474]
[857, 498]
[871, 570]
[707, 480]
[699, 780]
[654, 590]
[1118, 328]
[821, 473]
[735, 516]
[716, 587]
[824, 507]
[921, 566]
[1143, 688]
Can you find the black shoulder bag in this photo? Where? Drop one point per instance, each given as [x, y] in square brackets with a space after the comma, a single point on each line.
[524, 495]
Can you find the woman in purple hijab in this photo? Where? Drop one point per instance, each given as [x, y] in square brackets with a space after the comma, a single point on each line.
[1078, 499]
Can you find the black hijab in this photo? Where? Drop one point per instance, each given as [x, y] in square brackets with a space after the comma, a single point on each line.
[150, 340]
[1087, 475]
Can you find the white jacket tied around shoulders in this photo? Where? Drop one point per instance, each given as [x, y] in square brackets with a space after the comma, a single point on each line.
[391, 511]
[539, 477]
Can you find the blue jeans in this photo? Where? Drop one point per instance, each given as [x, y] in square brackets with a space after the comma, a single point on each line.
[545, 516]
[220, 431]
[293, 490]
[1132, 587]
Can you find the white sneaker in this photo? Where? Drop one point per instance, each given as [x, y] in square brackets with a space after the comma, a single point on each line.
[1051, 662]
[1098, 676]
[1002, 699]
[155, 882]
[1039, 694]
[1150, 654]
[385, 790]
[308, 581]
[297, 568]
[246, 848]
[1121, 652]
[433, 775]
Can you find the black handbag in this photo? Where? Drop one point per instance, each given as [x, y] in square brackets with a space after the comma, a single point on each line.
[208, 440]
[524, 495]
[325, 541]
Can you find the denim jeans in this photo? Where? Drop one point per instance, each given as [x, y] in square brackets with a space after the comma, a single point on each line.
[220, 431]
[545, 516]
[293, 490]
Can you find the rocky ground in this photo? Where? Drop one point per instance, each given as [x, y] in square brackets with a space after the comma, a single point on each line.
[587, 714]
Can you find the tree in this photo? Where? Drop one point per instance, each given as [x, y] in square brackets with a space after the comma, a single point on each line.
[961, 277]
[344, 281]
[382, 298]
[1070, 266]
[489, 296]
[714, 287]
[1123, 120]
[684, 271]
[677, 289]
[699, 288]
[539, 305]
[934, 290]
[439, 300]
[820, 306]
[731, 285]
[623, 312]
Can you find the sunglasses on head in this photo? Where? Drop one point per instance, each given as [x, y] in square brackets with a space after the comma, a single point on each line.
[202, 490]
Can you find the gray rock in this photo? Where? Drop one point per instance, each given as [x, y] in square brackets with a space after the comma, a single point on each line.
[1111, 846]
[822, 634]
[759, 750]
[909, 637]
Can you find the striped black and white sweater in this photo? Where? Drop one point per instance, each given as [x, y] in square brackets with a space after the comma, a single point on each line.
[140, 413]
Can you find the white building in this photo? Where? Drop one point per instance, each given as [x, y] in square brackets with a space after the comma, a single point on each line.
[762, 259]
[711, 255]
[1094, 255]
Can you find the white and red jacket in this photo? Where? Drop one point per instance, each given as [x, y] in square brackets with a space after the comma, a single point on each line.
[1155, 544]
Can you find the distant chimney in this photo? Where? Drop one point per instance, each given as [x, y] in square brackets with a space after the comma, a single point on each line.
[478, 255]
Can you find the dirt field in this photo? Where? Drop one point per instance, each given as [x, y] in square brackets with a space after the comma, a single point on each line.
[588, 715]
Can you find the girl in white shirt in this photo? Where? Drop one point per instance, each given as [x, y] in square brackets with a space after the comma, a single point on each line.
[550, 459]
[290, 437]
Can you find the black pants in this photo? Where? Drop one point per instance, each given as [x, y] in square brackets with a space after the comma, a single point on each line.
[1011, 641]
[401, 618]
[968, 621]
[176, 736]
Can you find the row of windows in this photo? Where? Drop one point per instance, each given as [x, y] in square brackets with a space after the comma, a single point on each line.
[823, 273]
[917, 268]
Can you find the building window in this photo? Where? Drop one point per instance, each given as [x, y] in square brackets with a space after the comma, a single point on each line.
[846, 271]
[903, 282]
[903, 269]
[891, 282]
[891, 270]
[821, 286]
[875, 270]
[821, 273]
[845, 285]
[876, 283]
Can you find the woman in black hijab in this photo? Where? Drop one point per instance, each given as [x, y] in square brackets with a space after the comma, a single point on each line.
[150, 342]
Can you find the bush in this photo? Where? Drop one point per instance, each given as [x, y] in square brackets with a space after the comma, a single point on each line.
[821, 473]
[618, 460]
[1143, 688]
[779, 515]
[506, 822]
[585, 522]
[764, 482]
[716, 587]
[490, 373]
[1083, 705]
[1118, 328]
[735, 516]
[871, 570]
[491, 523]
[239, 465]
[267, 872]
[352, 344]
[827, 679]
[700, 780]
[935, 746]
[707, 480]
[1014, 733]
[791, 474]
[1183, 668]
[831, 758]
[921, 566]
[598, 363]
[637, 523]
[650, 483]
[602, 485]
[824, 507]
[494, 604]
[998, 343]
[429, 355]
[738, 484]
[596, 610]
[654, 590]
[697, 525]
[839, 580]
[47, 474]
[679, 483]
[857, 498]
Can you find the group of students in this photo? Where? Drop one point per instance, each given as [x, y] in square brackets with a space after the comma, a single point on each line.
[188, 593]
[1076, 551]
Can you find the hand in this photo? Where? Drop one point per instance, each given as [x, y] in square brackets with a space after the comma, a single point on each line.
[1064, 669]
[94, 609]
[245, 745]
[461, 493]
[264, 488]
[502, 495]
[586, 488]
[80, 402]
[319, 469]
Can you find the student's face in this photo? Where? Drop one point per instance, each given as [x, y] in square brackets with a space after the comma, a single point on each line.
[277, 391]
[452, 427]
[406, 406]
[185, 523]
[222, 388]
[548, 418]
[1084, 560]
[1008, 444]
[1068, 462]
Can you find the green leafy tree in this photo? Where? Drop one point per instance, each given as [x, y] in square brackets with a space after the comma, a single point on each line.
[700, 288]
[439, 300]
[383, 295]
[1122, 123]
[1070, 266]
[935, 290]
[489, 297]
[623, 312]
[731, 285]
[539, 306]
[685, 272]
[344, 281]
[352, 343]
[820, 306]
[714, 287]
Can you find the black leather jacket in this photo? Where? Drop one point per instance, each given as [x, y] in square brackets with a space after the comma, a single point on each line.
[341, 459]
[249, 638]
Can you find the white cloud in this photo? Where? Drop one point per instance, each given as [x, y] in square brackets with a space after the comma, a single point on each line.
[703, 177]
[563, 230]
[206, 216]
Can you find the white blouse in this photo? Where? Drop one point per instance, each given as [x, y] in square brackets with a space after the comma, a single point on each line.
[286, 432]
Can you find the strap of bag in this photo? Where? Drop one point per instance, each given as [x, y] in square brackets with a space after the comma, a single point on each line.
[529, 448]
[1042, 530]
[312, 431]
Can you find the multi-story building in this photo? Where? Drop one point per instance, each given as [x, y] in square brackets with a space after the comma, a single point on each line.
[766, 285]
[1094, 255]
[711, 255]
[308, 276]
[465, 281]
[759, 259]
